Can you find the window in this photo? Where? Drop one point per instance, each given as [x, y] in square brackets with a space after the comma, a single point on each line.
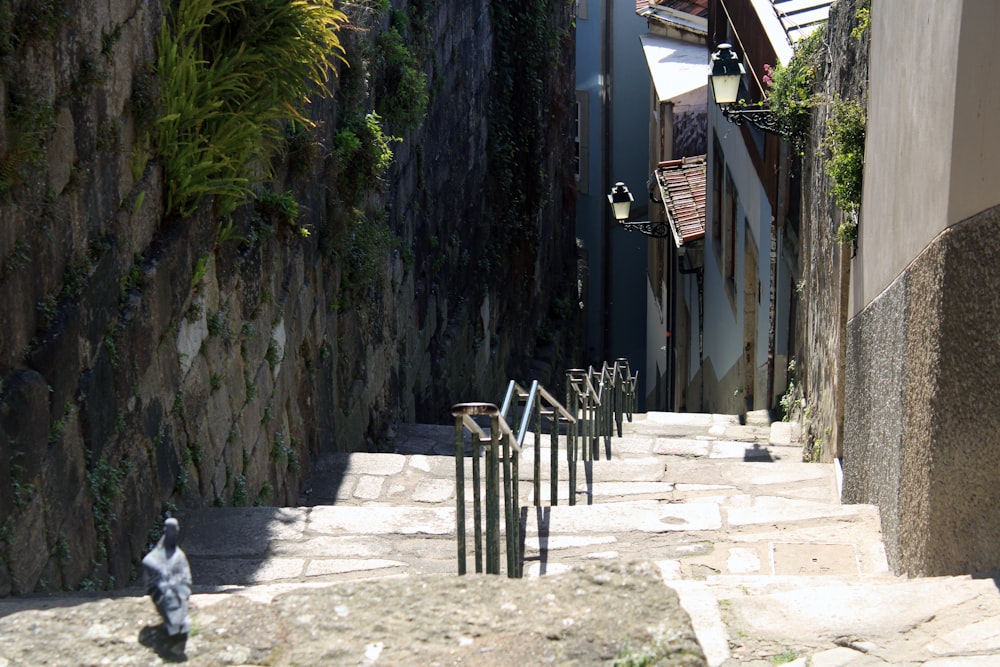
[729, 231]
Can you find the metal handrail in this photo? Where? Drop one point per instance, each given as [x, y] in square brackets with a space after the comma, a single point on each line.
[587, 414]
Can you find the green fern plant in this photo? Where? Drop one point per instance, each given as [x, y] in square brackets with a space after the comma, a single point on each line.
[364, 153]
[232, 73]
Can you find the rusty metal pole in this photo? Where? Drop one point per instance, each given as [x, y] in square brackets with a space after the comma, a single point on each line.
[460, 492]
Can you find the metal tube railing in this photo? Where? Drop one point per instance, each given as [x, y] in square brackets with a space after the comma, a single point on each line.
[596, 401]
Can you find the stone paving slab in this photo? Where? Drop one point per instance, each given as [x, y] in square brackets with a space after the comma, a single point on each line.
[239, 531]
[771, 509]
[382, 520]
[630, 516]
[897, 621]
[645, 469]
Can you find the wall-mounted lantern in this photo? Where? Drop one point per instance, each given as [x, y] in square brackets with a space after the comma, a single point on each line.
[726, 74]
[621, 205]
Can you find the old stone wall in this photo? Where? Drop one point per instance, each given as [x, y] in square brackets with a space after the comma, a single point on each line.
[146, 365]
[824, 261]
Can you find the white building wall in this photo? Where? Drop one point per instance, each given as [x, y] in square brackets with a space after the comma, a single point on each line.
[724, 325]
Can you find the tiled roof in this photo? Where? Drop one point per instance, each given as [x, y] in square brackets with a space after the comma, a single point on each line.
[682, 186]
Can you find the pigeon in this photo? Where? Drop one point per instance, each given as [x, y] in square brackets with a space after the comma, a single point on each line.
[168, 579]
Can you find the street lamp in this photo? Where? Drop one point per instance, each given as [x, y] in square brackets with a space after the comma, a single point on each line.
[726, 74]
[621, 204]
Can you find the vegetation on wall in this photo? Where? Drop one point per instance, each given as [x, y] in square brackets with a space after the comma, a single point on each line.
[364, 153]
[232, 74]
[37, 19]
[845, 139]
[792, 97]
[525, 46]
[530, 101]
[790, 91]
[402, 97]
[28, 123]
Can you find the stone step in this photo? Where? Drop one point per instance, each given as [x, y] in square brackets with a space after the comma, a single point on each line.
[256, 545]
[835, 620]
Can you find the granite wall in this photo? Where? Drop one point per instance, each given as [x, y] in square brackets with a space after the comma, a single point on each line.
[145, 366]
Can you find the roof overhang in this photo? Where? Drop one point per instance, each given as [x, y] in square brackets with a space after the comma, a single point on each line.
[678, 69]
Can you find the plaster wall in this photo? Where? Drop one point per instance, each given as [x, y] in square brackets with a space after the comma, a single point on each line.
[977, 99]
[616, 279]
[909, 140]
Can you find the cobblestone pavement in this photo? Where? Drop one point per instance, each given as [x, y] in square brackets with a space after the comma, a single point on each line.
[769, 564]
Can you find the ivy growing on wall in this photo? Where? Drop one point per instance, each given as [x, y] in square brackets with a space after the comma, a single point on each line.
[526, 55]
[401, 98]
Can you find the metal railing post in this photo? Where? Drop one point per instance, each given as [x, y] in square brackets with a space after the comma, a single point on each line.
[596, 402]
[493, 499]
[573, 406]
[460, 491]
[508, 518]
[620, 392]
[537, 486]
[477, 501]
[554, 459]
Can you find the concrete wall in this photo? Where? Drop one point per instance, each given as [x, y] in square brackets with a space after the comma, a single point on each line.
[922, 358]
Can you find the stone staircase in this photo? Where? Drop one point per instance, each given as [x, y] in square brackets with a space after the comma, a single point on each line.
[767, 562]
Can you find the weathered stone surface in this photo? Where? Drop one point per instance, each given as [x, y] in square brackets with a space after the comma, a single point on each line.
[586, 617]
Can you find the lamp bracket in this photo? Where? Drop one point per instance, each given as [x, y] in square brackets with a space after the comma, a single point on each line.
[659, 230]
[759, 115]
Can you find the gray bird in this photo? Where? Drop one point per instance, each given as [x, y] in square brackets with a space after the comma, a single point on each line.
[168, 579]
